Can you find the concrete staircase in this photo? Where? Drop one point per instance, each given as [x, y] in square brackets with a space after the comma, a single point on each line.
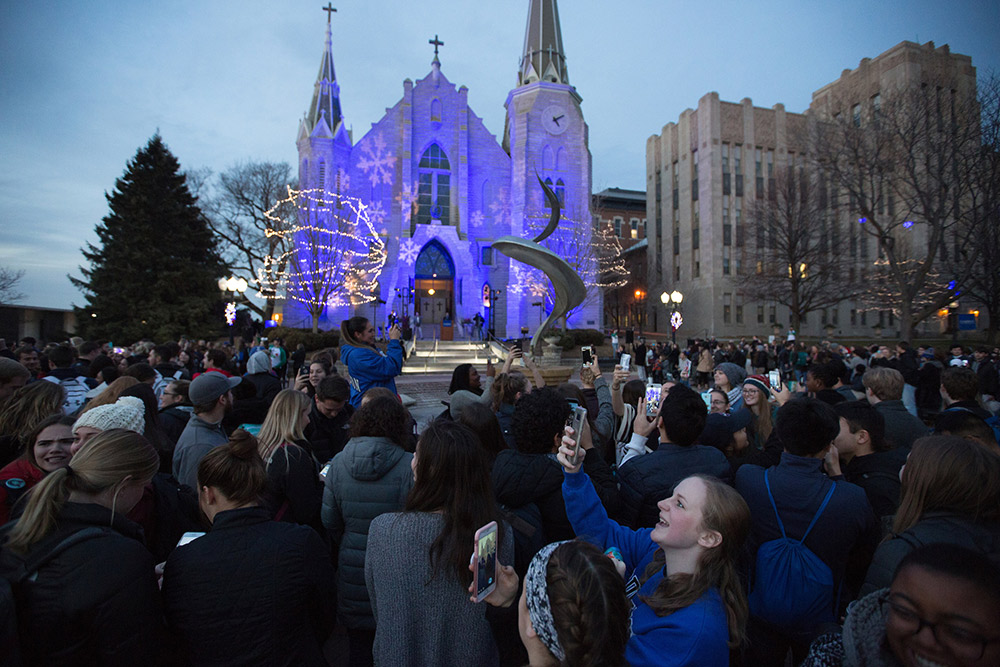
[433, 356]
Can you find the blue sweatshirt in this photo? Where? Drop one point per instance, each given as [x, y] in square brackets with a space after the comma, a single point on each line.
[694, 636]
[370, 368]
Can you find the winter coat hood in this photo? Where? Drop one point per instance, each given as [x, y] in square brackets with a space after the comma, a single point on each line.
[369, 458]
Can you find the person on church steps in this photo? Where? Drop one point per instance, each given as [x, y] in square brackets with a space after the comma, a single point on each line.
[367, 366]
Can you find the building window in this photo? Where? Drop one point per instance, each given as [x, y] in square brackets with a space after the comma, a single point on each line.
[618, 227]
[694, 175]
[772, 315]
[486, 255]
[696, 264]
[634, 224]
[738, 219]
[321, 180]
[876, 105]
[854, 317]
[738, 167]
[561, 192]
[675, 186]
[739, 309]
[864, 318]
[433, 186]
[727, 307]
[677, 273]
[770, 175]
[835, 316]
[759, 171]
[856, 115]
[436, 111]
[725, 260]
[760, 314]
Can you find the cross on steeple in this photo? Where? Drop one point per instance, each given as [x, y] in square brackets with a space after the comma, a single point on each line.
[436, 42]
[329, 9]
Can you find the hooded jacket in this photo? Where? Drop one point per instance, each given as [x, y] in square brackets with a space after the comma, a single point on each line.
[259, 374]
[370, 477]
[370, 368]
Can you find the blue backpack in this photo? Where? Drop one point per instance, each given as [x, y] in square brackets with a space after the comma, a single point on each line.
[793, 588]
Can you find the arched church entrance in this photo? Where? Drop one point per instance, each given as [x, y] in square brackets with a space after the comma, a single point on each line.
[434, 283]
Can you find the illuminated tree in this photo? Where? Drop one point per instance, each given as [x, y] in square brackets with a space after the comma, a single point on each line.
[334, 254]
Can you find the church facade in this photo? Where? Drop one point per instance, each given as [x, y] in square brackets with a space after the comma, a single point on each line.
[439, 188]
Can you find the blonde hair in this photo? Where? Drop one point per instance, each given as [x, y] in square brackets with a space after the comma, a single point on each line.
[283, 422]
[885, 383]
[107, 459]
[111, 393]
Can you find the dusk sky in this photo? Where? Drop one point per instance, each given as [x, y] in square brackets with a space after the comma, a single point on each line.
[84, 84]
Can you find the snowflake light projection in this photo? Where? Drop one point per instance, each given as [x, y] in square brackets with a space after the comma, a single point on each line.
[676, 320]
[408, 251]
[377, 214]
[500, 207]
[336, 255]
[406, 199]
[376, 162]
[478, 219]
[230, 313]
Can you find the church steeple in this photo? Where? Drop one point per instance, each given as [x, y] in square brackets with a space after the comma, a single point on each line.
[543, 58]
[324, 115]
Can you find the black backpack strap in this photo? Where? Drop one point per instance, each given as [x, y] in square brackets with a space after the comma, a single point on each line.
[38, 560]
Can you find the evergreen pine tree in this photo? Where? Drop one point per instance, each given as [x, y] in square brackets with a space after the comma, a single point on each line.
[154, 273]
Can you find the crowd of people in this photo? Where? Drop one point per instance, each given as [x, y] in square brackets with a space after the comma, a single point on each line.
[743, 503]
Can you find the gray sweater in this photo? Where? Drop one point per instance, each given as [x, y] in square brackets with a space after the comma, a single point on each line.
[423, 619]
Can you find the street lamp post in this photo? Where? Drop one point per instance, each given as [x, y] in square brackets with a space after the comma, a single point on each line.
[235, 286]
[673, 300]
[640, 299]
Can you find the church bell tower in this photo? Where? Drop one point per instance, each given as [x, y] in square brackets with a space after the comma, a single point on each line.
[545, 134]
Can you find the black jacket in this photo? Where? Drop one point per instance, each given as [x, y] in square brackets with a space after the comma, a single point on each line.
[946, 527]
[267, 385]
[174, 418]
[94, 604]
[326, 437]
[520, 479]
[901, 428]
[878, 474]
[649, 478]
[251, 591]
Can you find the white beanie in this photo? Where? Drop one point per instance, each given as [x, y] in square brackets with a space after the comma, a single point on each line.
[128, 412]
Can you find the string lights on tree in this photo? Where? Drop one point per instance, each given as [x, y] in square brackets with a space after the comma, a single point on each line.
[335, 253]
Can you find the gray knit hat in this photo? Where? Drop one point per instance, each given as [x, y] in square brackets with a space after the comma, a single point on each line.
[735, 374]
[128, 412]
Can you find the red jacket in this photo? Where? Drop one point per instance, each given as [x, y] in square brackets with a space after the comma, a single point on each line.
[15, 480]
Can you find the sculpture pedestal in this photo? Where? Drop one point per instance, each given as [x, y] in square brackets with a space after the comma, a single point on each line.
[555, 375]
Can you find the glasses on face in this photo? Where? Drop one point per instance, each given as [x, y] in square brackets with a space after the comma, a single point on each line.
[962, 642]
[750, 392]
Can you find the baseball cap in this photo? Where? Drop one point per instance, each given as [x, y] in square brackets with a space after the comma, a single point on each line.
[208, 387]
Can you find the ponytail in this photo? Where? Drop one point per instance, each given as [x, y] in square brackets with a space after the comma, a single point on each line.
[104, 461]
[506, 387]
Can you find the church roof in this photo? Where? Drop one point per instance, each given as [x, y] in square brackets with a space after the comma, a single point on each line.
[324, 111]
[543, 58]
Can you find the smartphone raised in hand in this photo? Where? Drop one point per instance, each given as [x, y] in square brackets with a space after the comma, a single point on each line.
[774, 378]
[484, 579]
[588, 354]
[625, 361]
[575, 421]
[652, 400]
